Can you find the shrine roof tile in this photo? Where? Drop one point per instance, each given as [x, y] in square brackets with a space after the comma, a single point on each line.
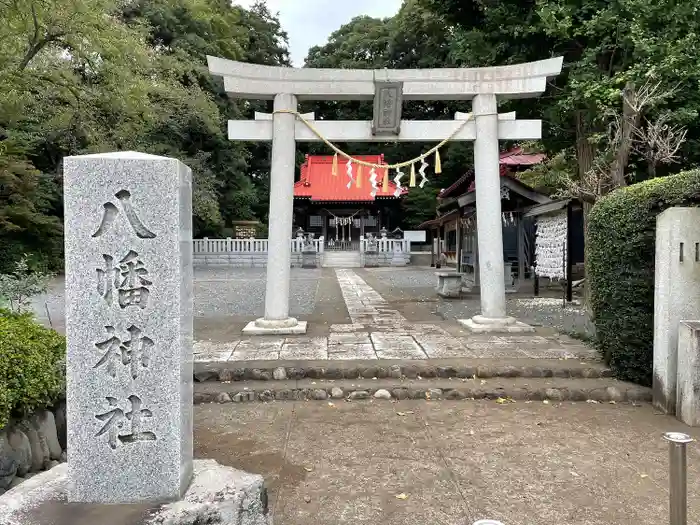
[511, 158]
[318, 184]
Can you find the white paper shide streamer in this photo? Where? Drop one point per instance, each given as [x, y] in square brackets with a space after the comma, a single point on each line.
[397, 181]
[349, 171]
[421, 171]
[373, 181]
[550, 246]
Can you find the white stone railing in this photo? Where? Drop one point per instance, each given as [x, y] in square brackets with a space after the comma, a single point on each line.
[387, 245]
[390, 252]
[246, 246]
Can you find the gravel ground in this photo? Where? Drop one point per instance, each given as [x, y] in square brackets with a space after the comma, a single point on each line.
[224, 292]
[547, 310]
[537, 311]
[218, 292]
[241, 291]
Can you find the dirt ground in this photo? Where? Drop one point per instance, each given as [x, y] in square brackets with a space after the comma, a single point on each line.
[451, 463]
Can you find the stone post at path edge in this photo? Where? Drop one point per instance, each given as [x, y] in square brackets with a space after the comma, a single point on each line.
[128, 240]
[676, 298]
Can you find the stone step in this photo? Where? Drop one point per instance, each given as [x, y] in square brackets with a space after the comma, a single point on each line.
[456, 368]
[601, 390]
[341, 260]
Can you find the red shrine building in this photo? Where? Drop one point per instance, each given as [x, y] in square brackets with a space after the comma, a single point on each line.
[325, 206]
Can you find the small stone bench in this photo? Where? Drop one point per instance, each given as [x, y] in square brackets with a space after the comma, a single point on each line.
[449, 284]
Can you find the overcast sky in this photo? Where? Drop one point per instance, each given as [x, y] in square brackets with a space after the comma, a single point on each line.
[310, 22]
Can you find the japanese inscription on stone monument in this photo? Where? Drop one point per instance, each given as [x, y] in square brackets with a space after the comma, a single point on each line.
[129, 278]
[134, 351]
[115, 420]
[387, 108]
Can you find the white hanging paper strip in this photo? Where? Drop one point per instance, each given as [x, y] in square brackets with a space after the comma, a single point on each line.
[550, 246]
[349, 171]
[423, 166]
[508, 218]
[397, 180]
[373, 181]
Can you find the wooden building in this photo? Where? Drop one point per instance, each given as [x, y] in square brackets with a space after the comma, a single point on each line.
[325, 206]
[454, 231]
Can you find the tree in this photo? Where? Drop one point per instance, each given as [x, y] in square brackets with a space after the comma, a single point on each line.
[84, 77]
[419, 206]
[593, 114]
[24, 223]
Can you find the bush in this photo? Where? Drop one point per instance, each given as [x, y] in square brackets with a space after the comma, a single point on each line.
[17, 289]
[621, 252]
[32, 366]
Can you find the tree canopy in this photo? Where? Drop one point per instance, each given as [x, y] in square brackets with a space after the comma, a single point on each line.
[84, 76]
[615, 54]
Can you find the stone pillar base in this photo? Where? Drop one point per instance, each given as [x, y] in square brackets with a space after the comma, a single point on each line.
[262, 326]
[480, 325]
[217, 494]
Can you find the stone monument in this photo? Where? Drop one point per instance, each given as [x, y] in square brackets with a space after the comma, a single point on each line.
[128, 326]
[388, 88]
[129, 315]
[676, 295]
[398, 257]
[687, 393]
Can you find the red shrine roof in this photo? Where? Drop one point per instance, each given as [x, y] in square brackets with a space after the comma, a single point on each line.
[318, 184]
[513, 158]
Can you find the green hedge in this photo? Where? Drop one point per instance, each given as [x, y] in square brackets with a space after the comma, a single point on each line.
[620, 252]
[32, 365]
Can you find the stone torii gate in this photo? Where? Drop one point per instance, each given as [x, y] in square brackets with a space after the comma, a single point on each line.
[286, 86]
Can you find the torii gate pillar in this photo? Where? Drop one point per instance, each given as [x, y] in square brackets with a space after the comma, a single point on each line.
[487, 181]
[277, 319]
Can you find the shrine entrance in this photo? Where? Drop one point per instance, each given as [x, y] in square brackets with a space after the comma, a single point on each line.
[325, 206]
[344, 233]
[388, 88]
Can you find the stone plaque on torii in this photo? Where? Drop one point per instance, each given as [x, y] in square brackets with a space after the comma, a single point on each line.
[388, 88]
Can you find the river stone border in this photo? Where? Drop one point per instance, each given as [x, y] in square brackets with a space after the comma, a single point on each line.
[631, 394]
[398, 371]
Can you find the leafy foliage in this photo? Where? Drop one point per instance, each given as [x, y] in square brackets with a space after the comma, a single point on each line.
[32, 374]
[19, 287]
[419, 206]
[621, 256]
[83, 76]
[25, 204]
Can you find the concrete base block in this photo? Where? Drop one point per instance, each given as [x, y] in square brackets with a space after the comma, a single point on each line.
[506, 325]
[449, 284]
[217, 495]
[265, 327]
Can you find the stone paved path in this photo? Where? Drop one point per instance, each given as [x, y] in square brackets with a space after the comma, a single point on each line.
[378, 331]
